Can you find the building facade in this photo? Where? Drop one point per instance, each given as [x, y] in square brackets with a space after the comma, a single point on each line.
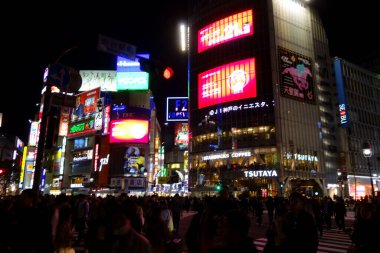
[359, 106]
[261, 101]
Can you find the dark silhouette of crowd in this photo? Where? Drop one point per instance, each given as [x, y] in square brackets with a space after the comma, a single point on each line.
[150, 224]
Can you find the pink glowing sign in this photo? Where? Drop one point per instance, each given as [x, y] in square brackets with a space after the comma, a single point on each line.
[230, 82]
[229, 28]
[129, 130]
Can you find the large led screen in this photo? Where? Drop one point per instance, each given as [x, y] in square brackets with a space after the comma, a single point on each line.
[229, 28]
[134, 161]
[129, 130]
[85, 104]
[181, 135]
[296, 77]
[230, 82]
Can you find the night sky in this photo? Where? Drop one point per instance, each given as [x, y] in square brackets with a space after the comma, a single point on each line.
[36, 33]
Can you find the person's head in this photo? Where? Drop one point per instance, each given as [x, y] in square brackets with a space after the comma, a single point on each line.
[28, 198]
[296, 201]
[77, 101]
[121, 222]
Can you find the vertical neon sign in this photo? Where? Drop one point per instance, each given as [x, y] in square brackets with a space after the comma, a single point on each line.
[343, 114]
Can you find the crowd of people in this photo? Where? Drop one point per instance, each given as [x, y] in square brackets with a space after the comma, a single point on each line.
[151, 224]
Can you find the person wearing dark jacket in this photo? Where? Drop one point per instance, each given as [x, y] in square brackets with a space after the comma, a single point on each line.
[300, 227]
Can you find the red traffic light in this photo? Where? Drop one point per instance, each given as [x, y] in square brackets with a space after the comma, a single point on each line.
[2, 171]
[168, 73]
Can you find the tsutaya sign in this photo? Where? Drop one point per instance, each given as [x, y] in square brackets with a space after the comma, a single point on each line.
[227, 155]
[260, 173]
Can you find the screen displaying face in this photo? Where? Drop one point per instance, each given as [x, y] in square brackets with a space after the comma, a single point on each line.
[226, 83]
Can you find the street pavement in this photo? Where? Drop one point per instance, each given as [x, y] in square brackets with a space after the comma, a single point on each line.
[332, 241]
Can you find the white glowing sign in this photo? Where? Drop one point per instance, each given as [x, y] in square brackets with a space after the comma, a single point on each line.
[91, 79]
[301, 157]
[238, 107]
[103, 161]
[260, 173]
[227, 155]
[33, 134]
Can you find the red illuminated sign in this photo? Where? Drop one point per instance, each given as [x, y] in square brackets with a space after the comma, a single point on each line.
[229, 28]
[129, 130]
[230, 82]
[85, 104]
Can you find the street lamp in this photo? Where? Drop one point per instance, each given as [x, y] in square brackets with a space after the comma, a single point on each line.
[367, 152]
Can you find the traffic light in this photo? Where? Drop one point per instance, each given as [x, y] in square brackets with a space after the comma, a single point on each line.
[168, 73]
[218, 187]
[2, 171]
[155, 67]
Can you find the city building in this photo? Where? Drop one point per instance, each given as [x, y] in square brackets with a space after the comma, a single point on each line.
[359, 106]
[11, 150]
[262, 116]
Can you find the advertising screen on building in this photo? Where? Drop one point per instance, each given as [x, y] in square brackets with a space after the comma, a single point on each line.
[129, 130]
[177, 109]
[85, 104]
[229, 28]
[181, 135]
[296, 77]
[83, 127]
[134, 161]
[226, 83]
[91, 79]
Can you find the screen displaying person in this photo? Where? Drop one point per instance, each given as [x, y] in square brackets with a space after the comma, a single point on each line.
[78, 110]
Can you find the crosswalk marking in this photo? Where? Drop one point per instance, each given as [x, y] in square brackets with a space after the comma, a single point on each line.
[332, 241]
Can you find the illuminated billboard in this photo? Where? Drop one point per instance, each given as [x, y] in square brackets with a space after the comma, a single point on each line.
[34, 132]
[177, 109]
[134, 161]
[126, 65]
[91, 79]
[84, 127]
[342, 101]
[85, 104]
[132, 81]
[181, 135]
[229, 28]
[129, 130]
[296, 77]
[64, 121]
[230, 82]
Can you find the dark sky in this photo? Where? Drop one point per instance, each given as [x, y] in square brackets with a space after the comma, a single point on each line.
[36, 33]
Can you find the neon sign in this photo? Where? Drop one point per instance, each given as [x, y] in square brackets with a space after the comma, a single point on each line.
[82, 128]
[227, 155]
[229, 28]
[230, 82]
[340, 85]
[132, 81]
[177, 109]
[343, 114]
[260, 173]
